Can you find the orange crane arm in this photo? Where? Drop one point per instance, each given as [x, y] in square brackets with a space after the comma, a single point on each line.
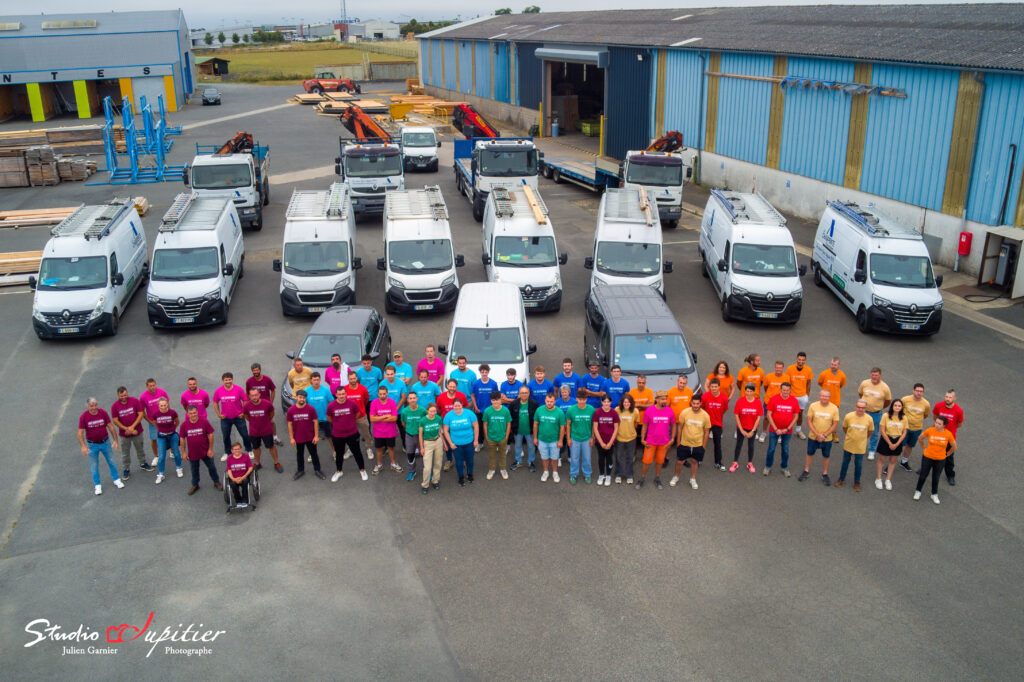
[471, 124]
[362, 126]
[241, 142]
[669, 142]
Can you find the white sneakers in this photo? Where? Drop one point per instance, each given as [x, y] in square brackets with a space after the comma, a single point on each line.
[871, 455]
[179, 472]
[674, 481]
[544, 477]
[888, 485]
[336, 477]
[693, 483]
[504, 474]
[159, 479]
[878, 483]
[490, 474]
[156, 460]
[917, 494]
[98, 490]
[554, 476]
[362, 475]
[119, 483]
[935, 499]
[762, 437]
[369, 454]
[618, 480]
[607, 480]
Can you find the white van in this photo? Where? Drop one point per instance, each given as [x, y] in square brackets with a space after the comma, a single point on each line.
[879, 268]
[627, 242]
[198, 259]
[318, 258]
[419, 148]
[519, 246]
[747, 252]
[489, 326]
[90, 269]
[419, 261]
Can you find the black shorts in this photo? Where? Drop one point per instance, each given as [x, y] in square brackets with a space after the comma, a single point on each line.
[384, 442]
[685, 452]
[885, 451]
[267, 441]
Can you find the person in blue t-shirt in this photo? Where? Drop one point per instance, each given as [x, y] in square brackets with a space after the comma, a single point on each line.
[426, 390]
[319, 396]
[463, 377]
[369, 376]
[396, 387]
[462, 433]
[539, 386]
[616, 387]
[593, 384]
[568, 378]
[403, 370]
[481, 390]
[510, 387]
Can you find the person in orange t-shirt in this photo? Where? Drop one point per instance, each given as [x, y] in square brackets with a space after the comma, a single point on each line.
[643, 396]
[726, 381]
[800, 378]
[939, 443]
[772, 387]
[680, 395]
[751, 374]
[832, 380]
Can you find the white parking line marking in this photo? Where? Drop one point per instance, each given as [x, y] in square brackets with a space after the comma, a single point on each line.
[232, 117]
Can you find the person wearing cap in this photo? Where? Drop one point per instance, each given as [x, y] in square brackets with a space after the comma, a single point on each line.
[403, 370]
[96, 434]
[659, 430]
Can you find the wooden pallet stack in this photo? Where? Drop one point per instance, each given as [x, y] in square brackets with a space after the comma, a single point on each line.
[74, 168]
[13, 172]
[42, 166]
[413, 86]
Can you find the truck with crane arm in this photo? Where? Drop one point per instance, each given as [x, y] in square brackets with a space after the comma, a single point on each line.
[236, 170]
[370, 162]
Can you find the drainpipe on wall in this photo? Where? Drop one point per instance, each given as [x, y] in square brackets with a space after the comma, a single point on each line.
[700, 124]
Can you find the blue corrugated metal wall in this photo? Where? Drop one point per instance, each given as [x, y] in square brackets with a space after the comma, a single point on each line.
[501, 72]
[628, 94]
[450, 82]
[816, 122]
[1002, 123]
[465, 72]
[425, 61]
[531, 75]
[683, 72]
[436, 47]
[907, 142]
[743, 106]
[483, 68]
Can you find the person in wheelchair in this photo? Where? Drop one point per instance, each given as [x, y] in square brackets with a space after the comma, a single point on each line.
[239, 471]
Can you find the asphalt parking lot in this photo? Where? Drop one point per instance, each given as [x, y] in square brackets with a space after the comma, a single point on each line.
[748, 577]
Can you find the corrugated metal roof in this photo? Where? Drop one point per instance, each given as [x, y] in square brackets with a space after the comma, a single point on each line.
[982, 36]
[106, 22]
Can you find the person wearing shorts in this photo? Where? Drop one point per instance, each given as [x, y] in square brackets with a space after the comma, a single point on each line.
[548, 435]
[800, 378]
[384, 423]
[659, 430]
[694, 429]
[894, 432]
[918, 409]
[822, 422]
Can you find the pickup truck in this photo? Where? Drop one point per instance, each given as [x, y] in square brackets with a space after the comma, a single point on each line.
[482, 162]
[243, 176]
[326, 82]
[371, 167]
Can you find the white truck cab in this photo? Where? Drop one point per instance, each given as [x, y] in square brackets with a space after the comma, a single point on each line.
[419, 148]
[419, 260]
[747, 252]
[519, 246]
[198, 259]
[371, 168]
[627, 241]
[318, 260]
[242, 177]
[93, 264]
[663, 175]
[483, 163]
[879, 268]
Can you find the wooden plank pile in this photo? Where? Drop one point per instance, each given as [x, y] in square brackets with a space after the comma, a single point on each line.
[425, 104]
[71, 140]
[15, 267]
[141, 205]
[413, 86]
[332, 108]
[34, 216]
[42, 166]
[13, 172]
[73, 169]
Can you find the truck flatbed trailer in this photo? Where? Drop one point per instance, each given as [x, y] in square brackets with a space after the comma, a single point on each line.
[594, 175]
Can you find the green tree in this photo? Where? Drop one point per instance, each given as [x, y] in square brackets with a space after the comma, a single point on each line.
[245, 38]
[235, 38]
[221, 38]
[503, 10]
[208, 39]
[532, 9]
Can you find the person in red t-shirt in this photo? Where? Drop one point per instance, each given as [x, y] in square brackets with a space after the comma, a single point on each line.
[715, 402]
[445, 403]
[749, 412]
[239, 467]
[954, 417]
[357, 393]
[259, 413]
[783, 409]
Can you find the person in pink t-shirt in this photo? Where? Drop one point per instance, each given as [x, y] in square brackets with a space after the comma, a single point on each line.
[260, 414]
[434, 365]
[337, 374]
[196, 436]
[384, 423]
[95, 434]
[127, 414]
[659, 430]
[239, 467]
[195, 396]
[150, 399]
[304, 434]
[265, 385]
[228, 401]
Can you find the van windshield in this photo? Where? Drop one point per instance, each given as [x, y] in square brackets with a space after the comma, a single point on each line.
[420, 256]
[73, 273]
[172, 265]
[659, 172]
[524, 252]
[221, 176]
[366, 166]
[500, 346]
[419, 140]
[511, 163]
[311, 259]
[902, 271]
[764, 260]
[628, 259]
[652, 353]
[317, 349]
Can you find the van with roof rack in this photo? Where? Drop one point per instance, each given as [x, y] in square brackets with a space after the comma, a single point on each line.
[93, 264]
[879, 268]
[318, 257]
[627, 241]
[747, 252]
[198, 260]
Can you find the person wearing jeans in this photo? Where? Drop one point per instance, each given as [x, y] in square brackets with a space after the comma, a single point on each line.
[228, 401]
[95, 435]
[462, 432]
[166, 422]
[877, 395]
[197, 436]
[581, 436]
[783, 410]
[858, 426]
[523, 410]
[749, 412]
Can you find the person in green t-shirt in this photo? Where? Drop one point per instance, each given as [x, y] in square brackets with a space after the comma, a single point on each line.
[410, 417]
[431, 447]
[548, 434]
[581, 436]
[497, 426]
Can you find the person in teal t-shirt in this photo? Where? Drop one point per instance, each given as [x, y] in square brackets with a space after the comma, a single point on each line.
[432, 447]
[497, 426]
[581, 436]
[548, 432]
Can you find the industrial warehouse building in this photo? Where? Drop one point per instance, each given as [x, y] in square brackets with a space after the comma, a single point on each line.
[919, 109]
[54, 64]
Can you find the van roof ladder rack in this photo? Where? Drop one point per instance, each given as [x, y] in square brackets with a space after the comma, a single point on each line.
[92, 221]
[739, 209]
[863, 217]
[315, 203]
[177, 210]
[425, 203]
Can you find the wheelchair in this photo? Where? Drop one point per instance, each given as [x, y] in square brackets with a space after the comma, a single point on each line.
[253, 491]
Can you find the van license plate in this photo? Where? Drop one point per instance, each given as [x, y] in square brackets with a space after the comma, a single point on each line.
[68, 330]
[910, 327]
[316, 309]
[529, 304]
[183, 320]
[428, 306]
[770, 316]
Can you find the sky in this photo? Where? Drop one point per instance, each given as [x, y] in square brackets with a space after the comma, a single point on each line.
[226, 13]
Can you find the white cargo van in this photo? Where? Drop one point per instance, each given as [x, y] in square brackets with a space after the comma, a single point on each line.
[318, 260]
[519, 246]
[627, 241]
[489, 326]
[198, 259]
[419, 148]
[879, 268]
[419, 261]
[90, 269]
[747, 252]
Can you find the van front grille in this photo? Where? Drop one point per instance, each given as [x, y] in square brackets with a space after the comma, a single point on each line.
[761, 304]
[904, 315]
[316, 298]
[538, 294]
[190, 308]
[425, 295]
[75, 318]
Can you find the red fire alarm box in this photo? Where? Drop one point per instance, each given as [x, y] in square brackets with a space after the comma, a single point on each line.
[965, 243]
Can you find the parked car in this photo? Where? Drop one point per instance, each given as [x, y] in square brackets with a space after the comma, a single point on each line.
[351, 331]
[211, 96]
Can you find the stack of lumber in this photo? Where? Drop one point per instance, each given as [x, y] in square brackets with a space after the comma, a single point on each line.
[340, 96]
[13, 172]
[72, 168]
[71, 140]
[42, 166]
[35, 216]
[332, 108]
[307, 98]
[328, 108]
[141, 205]
[413, 86]
[425, 104]
[15, 267]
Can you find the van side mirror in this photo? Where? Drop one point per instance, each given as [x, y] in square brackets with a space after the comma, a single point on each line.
[802, 270]
[117, 279]
[229, 269]
[588, 262]
[374, 354]
[290, 355]
[694, 356]
[277, 265]
[184, 175]
[460, 260]
[860, 276]
[32, 282]
[337, 165]
[722, 265]
[439, 144]
[667, 267]
[531, 349]
[357, 263]
[485, 259]
[442, 349]
[563, 258]
[380, 264]
[689, 172]
[938, 281]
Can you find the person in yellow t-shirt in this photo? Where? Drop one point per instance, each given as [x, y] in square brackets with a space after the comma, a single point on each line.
[772, 386]
[857, 426]
[822, 422]
[918, 409]
[694, 427]
[939, 443]
[833, 379]
[299, 376]
[625, 439]
[800, 378]
[679, 396]
[894, 430]
[876, 393]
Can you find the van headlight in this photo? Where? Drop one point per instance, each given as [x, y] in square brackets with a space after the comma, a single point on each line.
[938, 306]
[212, 296]
[880, 302]
[600, 280]
[39, 316]
[396, 283]
[799, 293]
[342, 283]
[655, 285]
[739, 291]
[98, 310]
[557, 286]
[448, 281]
[288, 284]
[150, 298]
